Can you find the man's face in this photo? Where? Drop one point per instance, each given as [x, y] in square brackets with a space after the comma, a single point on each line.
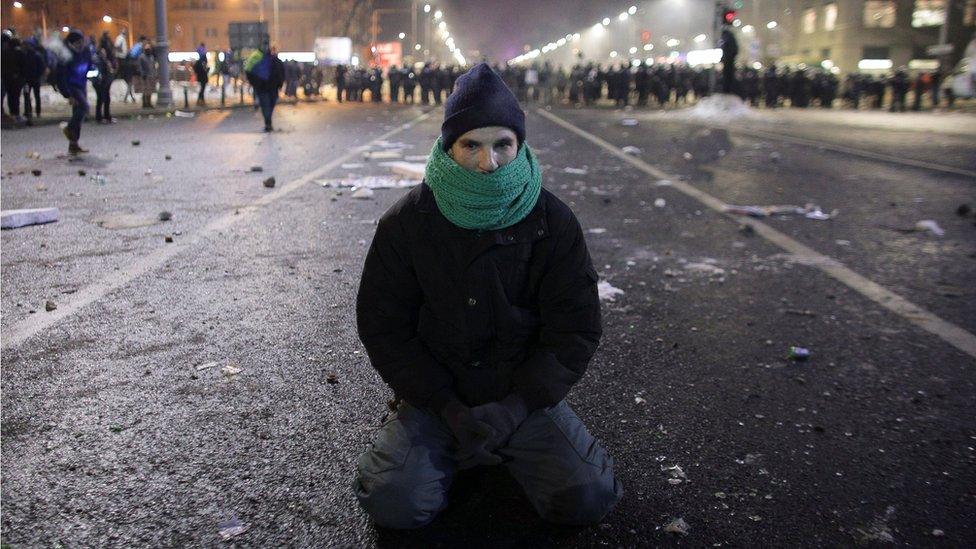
[484, 150]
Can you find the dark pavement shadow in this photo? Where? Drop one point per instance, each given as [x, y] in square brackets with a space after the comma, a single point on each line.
[487, 509]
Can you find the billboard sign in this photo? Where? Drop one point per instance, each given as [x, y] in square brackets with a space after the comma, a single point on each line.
[386, 54]
[333, 50]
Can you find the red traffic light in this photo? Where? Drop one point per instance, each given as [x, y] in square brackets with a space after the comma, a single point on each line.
[729, 15]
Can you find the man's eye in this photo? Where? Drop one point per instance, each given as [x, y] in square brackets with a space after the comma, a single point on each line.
[470, 146]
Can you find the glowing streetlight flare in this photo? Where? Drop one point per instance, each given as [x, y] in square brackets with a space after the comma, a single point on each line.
[623, 16]
[606, 21]
[632, 10]
[402, 35]
[426, 8]
[700, 38]
[18, 5]
[107, 18]
[771, 25]
[438, 14]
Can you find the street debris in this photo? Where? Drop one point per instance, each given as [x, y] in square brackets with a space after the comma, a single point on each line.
[717, 108]
[184, 114]
[676, 475]
[269, 182]
[165, 216]
[82, 173]
[747, 230]
[660, 203]
[126, 221]
[639, 400]
[231, 529]
[362, 193]
[938, 533]
[332, 379]
[14, 219]
[352, 166]
[931, 226]
[381, 155]
[576, 171]
[809, 211]
[413, 170]
[800, 312]
[662, 183]
[98, 179]
[798, 354]
[168, 157]
[705, 268]
[677, 526]
[632, 150]
[596, 230]
[36, 173]
[843, 242]
[775, 157]
[207, 365]
[149, 171]
[50, 305]
[168, 239]
[629, 122]
[688, 156]
[370, 182]
[607, 292]
[135, 142]
[878, 530]
[963, 210]
[33, 155]
[257, 168]
[230, 370]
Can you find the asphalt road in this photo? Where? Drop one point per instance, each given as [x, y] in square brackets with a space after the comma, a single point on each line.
[113, 434]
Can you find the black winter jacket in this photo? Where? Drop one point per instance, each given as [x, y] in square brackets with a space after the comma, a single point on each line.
[447, 312]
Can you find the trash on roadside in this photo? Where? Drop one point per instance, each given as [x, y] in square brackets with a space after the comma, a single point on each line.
[168, 239]
[798, 354]
[842, 242]
[257, 168]
[184, 114]
[230, 369]
[269, 182]
[369, 182]
[149, 171]
[362, 193]
[13, 219]
[596, 230]
[575, 171]
[660, 203]
[332, 379]
[662, 183]
[82, 173]
[688, 156]
[36, 173]
[639, 400]
[231, 529]
[677, 526]
[607, 292]
[50, 305]
[931, 226]
[33, 155]
[675, 472]
[631, 150]
[809, 211]
[629, 122]
[165, 215]
[207, 365]
[938, 533]
[135, 142]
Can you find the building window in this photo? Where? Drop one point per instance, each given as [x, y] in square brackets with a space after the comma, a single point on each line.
[879, 14]
[830, 17]
[875, 52]
[809, 21]
[928, 13]
[969, 13]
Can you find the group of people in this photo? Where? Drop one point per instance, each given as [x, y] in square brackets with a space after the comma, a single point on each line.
[435, 83]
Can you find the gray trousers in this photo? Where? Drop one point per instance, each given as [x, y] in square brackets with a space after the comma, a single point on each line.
[403, 479]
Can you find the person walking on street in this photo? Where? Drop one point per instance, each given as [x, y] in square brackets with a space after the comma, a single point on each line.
[12, 71]
[266, 73]
[478, 306]
[730, 49]
[202, 73]
[107, 67]
[340, 82]
[72, 82]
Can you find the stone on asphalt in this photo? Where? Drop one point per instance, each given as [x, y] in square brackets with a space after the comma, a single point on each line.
[677, 526]
[269, 182]
[135, 142]
[165, 215]
[50, 305]
[36, 173]
[168, 239]
[257, 168]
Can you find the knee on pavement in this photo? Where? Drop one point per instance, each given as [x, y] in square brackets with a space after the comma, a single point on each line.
[394, 500]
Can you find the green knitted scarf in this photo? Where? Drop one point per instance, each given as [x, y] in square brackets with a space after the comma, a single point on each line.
[483, 201]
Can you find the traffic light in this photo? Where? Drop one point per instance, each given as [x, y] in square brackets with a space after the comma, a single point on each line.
[729, 15]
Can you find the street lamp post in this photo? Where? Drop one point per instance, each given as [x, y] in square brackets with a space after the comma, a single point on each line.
[164, 97]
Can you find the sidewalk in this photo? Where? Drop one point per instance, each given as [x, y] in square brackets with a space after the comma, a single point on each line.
[55, 109]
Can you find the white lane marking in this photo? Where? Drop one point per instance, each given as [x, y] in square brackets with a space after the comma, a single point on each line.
[37, 323]
[952, 334]
[854, 152]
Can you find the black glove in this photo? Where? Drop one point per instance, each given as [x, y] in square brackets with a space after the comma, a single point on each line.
[472, 436]
[503, 416]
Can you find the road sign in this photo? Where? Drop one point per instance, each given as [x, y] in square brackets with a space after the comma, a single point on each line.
[939, 49]
[248, 34]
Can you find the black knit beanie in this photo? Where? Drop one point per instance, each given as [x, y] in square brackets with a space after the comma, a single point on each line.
[480, 99]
